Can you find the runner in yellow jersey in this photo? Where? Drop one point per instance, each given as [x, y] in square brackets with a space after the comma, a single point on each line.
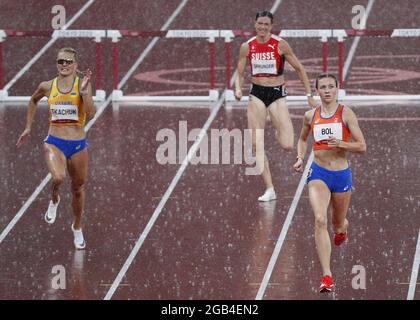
[70, 106]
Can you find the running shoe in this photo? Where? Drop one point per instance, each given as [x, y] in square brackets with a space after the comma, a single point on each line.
[326, 284]
[79, 241]
[268, 195]
[51, 213]
[339, 238]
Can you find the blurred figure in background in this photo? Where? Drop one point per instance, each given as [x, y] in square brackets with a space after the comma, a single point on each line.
[267, 55]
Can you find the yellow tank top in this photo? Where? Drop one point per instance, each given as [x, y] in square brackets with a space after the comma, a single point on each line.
[66, 108]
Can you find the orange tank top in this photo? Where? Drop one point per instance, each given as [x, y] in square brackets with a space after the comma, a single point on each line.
[322, 128]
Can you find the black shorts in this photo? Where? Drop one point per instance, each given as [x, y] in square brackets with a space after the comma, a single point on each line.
[268, 94]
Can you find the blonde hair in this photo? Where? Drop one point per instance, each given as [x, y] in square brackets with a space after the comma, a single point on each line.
[70, 50]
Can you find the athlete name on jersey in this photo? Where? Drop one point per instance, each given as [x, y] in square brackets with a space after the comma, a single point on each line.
[64, 112]
[324, 131]
[263, 66]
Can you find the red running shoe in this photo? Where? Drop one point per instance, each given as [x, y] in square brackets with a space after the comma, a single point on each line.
[339, 238]
[326, 284]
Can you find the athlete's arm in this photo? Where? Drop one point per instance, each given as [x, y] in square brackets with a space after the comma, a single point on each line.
[286, 50]
[240, 70]
[303, 140]
[358, 145]
[39, 93]
[86, 93]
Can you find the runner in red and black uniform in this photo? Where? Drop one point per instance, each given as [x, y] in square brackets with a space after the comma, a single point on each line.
[267, 55]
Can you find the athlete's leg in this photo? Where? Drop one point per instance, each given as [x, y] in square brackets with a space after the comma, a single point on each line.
[319, 196]
[279, 114]
[340, 204]
[257, 114]
[77, 166]
[56, 162]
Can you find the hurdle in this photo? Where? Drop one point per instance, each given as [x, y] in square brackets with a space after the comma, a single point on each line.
[325, 35]
[96, 35]
[210, 35]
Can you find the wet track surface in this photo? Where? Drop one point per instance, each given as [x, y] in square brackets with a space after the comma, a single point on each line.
[212, 239]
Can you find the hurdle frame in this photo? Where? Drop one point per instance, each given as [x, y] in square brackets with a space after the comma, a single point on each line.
[211, 35]
[96, 35]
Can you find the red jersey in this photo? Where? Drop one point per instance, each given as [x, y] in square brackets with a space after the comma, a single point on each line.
[322, 128]
[264, 58]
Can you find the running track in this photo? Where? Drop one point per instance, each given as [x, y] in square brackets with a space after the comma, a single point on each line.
[212, 240]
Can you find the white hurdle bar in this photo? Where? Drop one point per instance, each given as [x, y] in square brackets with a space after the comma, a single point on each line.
[99, 97]
[96, 35]
[118, 96]
[210, 35]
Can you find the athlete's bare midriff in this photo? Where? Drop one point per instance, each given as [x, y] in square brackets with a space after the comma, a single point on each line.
[331, 159]
[268, 81]
[67, 132]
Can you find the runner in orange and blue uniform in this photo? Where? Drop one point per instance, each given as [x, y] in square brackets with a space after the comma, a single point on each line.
[267, 54]
[329, 179]
[70, 105]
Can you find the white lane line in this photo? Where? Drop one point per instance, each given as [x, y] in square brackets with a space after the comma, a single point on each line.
[414, 271]
[45, 48]
[169, 191]
[356, 41]
[22, 210]
[165, 198]
[41, 186]
[290, 214]
[275, 6]
[99, 112]
[153, 43]
[284, 230]
[167, 195]
[44, 182]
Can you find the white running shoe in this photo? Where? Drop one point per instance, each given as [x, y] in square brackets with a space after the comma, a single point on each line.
[268, 195]
[51, 213]
[79, 241]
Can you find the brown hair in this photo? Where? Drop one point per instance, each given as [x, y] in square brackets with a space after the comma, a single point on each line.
[326, 75]
[264, 14]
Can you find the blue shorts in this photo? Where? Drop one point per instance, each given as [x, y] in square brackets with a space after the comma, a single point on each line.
[67, 147]
[336, 181]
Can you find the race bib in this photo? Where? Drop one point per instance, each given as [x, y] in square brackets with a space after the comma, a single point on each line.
[66, 112]
[324, 131]
[264, 66]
